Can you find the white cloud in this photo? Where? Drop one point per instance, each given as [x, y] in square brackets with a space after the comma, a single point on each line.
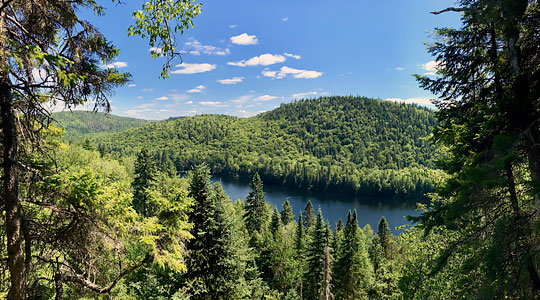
[431, 67]
[132, 85]
[292, 55]
[162, 98]
[420, 101]
[399, 69]
[116, 64]
[233, 80]
[296, 73]
[213, 103]
[265, 98]
[134, 112]
[186, 68]
[305, 95]
[178, 97]
[147, 90]
[244, 39]
[196, 48]
[268, 73]
[139, 97]
[261, 60]
[189, 102]
[285, 19]
[197, 89]
[233, 26]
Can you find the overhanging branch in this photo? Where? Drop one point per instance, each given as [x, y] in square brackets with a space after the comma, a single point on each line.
[453, 9]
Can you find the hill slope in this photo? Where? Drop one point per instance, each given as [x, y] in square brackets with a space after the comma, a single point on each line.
[79, 124]
[350, 144]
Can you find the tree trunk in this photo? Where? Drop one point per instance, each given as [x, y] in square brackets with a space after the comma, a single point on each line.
[10, 193]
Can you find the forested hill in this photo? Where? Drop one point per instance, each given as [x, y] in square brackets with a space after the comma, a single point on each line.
[349, 144]
[79, 124]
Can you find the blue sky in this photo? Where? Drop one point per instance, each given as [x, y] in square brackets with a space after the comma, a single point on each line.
[245, 57]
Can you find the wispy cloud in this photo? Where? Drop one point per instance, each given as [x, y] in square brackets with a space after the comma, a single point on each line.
[147, 90]
[116, 65]
[244, 39]
[233, 26]
[197, 89]
[399, 69]
[292, 55]
[132, 85]
[285, 19]
[189, 102]
[162, 98]
[261, 60]
[307, 94]
[296, 73]
[178, 97]
[196, 48]
[186, 68]
[265, 98]
[242, 99]
[233, 80]
[213, 103]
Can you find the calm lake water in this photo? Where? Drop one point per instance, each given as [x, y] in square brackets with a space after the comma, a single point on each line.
[334, 205]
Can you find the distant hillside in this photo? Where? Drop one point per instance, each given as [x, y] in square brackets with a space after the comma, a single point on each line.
[349, 144]
[79, 124]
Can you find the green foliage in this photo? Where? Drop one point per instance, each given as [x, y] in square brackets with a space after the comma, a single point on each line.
[347, 144]
[80, 125]
[145, 179]
[256, 215]
[287, 215]
[309, 215]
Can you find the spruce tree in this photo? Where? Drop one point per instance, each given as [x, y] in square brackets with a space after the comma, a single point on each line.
[385, 237]
[214, 268]
[354, 268]
[309, 215]
[314, 276]
[145, 176]
[275, 222]
[488, 85]
[256, 206]
[287, 212]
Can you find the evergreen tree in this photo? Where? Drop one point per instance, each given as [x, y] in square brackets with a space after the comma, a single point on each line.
[314, 276]
[326, 289]
[145, 174]
[385, 237]
[300, 247]
[287, 212]
[354, 268]
[214, 268]
[256, 215]
[309, 215]
[275, 222]
[489, 110]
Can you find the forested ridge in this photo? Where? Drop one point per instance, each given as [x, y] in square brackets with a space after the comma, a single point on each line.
[352, 144]
[80, 124]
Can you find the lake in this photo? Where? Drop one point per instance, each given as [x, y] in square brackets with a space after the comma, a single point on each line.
[334, 205]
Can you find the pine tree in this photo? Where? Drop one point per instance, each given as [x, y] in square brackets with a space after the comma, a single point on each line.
[145, 176]
[287, 212]
[256, 206]
[309, 215]
[300, 247]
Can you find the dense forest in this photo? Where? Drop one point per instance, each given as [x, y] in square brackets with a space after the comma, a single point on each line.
[351, 144]
[79, 124]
